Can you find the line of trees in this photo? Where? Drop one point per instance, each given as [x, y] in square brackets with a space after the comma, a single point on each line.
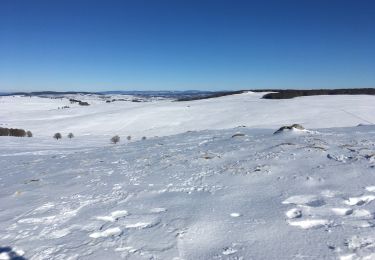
[292, 93]
[114, 139]
[81, 103]
[58, 136]
[18, 132]
[22, 133]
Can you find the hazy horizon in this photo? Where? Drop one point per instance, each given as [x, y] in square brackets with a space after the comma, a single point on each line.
[165, 90]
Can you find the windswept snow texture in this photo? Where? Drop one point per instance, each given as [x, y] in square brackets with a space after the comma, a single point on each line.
[197, 195]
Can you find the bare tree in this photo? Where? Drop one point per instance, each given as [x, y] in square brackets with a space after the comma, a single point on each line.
[29, 134]
[115, 139]
[57, 136]
[70, 135]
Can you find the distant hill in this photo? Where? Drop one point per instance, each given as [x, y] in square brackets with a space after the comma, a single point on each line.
[40, 93]
[165, 94]
[292, 93]
[190, 95]
[210, 95]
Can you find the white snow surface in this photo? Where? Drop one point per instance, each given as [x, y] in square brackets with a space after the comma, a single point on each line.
[202, 194]
[164, 117]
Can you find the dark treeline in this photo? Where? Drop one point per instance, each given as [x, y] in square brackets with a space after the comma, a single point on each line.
[14, 132]
[292, 93]
[81, 103]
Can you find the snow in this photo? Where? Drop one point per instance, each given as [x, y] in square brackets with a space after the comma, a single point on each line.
[308, 200]
[342, 211]
[309, 223]
[164, 117]
[114, 216]
[370, 188]
[106, 233]
[360, 200]
[293, 213]
[219, 191]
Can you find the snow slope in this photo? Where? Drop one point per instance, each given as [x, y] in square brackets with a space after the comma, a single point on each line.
[230, 192]
[161, 118]
[197, 195]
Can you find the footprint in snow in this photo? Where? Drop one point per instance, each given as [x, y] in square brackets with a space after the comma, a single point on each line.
[363, 214]
[342, 211]
[305, 201]
[359, 201]
[360, 247]
[11, 253]
[229, 251]
[353, 215]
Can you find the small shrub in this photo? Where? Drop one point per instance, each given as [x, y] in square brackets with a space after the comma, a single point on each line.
[29, 134]
[129, 138]
[57, 136]
[83, 103]
[4, 131]
[17, 132]
[144, 138]
[70, 135]
[115, 139]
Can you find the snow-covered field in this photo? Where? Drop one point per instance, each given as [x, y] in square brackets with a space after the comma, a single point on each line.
[161, 118]
[204, 189]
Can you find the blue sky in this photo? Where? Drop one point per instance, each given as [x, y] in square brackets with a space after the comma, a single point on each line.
[186, 44]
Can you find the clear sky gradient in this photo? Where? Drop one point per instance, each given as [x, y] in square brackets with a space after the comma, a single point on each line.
[93, 45]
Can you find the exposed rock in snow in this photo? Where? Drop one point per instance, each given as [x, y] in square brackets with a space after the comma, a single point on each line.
[290, 127]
